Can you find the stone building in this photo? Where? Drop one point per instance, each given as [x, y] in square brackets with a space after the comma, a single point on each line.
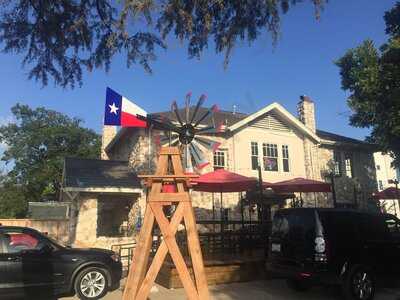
[286, 146]
[107, 199]
[104, 197]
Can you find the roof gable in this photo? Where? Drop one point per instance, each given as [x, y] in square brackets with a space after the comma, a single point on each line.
[284, 116]
[271, 121]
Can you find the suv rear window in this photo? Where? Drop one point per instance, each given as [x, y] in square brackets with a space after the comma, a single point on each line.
[294, 224]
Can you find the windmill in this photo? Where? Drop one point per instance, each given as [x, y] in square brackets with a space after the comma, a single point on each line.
[185, 129]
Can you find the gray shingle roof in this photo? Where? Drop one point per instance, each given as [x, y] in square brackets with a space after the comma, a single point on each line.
[338, 138]
[85, 173]
[229, 118]
[225, 117]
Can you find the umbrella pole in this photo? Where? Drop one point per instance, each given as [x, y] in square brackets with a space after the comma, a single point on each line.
[222, 222]
[213, 211]
[221, 212]
[242, 209]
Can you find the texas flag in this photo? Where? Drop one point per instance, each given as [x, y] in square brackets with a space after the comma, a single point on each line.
[119, 111]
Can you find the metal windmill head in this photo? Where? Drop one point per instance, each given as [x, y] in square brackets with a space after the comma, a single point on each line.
[186, 128]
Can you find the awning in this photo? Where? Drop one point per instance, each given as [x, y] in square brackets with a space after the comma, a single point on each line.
[388, 193]
[301, 185]
[223, 181]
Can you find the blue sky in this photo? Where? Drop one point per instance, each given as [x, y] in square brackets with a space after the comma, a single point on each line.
[302, 63]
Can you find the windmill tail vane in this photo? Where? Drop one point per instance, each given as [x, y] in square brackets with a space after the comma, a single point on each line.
[190, 131]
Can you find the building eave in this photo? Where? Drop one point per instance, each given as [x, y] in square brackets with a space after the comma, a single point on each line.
[286, 114]
[103, 190]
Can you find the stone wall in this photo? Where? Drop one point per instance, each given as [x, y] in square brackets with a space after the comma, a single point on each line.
[109, 133]
[356, 190]
[57, 229]
[84, 224]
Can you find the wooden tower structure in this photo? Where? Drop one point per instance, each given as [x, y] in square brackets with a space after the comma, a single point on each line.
[141, 277]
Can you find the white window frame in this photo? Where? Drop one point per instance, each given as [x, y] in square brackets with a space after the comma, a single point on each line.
[285, 156]
[254, 154]
[220, 154]
[348, 162]
[270, 151]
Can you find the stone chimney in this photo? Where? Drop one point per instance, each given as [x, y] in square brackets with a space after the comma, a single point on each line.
[306, 112]
[109, 132]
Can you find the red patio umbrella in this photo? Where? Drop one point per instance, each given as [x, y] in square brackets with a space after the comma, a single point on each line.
[301, 185]
[388, 193]
[223, 181]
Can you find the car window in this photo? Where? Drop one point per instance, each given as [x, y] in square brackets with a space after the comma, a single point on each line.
[298, 225]
[17, 241]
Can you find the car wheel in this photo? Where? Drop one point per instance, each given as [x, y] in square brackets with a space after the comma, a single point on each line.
[359, 284]
[91, 283]
[298, 285]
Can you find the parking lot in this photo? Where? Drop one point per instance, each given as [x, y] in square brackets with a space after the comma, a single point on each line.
[271, 289]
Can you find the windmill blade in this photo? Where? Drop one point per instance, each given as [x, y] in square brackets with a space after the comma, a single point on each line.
[174, 108]
[199, 103]
[188, 160]
[162, 123]
[210, 129]
[187, 106]
[198, 156]
[207, 143]
[210, 111]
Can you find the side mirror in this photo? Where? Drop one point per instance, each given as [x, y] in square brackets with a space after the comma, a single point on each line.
[46, 249]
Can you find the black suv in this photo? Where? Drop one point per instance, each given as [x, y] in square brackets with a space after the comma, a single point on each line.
[33, 264]
[335, 246]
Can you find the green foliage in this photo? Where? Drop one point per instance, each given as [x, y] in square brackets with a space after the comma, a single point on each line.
[372, 76]
[36, 146]
[13, 203]
[59, 38]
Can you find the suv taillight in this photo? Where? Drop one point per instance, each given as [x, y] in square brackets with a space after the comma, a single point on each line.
[320, 249]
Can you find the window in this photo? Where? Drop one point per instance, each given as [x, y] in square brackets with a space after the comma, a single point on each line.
[285, 158]
[116, 216]
[378, 167]
[219, 160]
[338, 163]
[15, 241]
[380, 183]
[254, 155]
[270, 157]
[348, 161]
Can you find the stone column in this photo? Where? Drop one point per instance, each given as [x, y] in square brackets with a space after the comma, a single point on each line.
[306, 114]
[109, 132]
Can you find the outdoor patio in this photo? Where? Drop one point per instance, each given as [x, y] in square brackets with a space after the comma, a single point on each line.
[265, 290]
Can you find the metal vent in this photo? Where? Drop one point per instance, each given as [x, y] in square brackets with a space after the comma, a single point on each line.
[270, 121]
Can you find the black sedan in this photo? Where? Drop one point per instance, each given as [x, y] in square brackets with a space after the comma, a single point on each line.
[33, 264]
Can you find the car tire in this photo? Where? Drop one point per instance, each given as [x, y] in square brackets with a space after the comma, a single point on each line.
[91, 283]
[298, 285]
[359, 284]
